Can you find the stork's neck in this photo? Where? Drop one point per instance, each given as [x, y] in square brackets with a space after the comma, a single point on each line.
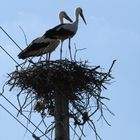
[75, 23]
[77, 18]
[61, 19]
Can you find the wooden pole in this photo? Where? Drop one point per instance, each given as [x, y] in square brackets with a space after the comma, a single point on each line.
[61, 117]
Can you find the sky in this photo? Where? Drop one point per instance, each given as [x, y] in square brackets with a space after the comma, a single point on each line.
[112, 32]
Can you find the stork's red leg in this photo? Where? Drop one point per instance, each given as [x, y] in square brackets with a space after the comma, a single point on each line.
[49, 56]
[61, 50]
[70, 49]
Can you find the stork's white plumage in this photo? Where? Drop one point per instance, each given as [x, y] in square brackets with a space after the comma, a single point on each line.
[65, 31]
[43, 45]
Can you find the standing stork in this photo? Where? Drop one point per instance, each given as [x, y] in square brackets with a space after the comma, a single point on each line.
[42, 45]
[66, 30]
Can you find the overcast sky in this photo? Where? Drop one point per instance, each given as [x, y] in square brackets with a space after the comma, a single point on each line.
[112, 32]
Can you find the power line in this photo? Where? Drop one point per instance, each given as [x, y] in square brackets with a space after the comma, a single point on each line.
[25, 116]
[33, 135]
[10, 38]
[9, 55]
[30, 59]
[15, 118]
[9, 100]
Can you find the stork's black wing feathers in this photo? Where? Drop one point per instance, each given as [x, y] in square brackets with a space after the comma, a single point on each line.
[58, 31]
[33, 50]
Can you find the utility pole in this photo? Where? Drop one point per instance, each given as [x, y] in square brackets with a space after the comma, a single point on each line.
[61, 117]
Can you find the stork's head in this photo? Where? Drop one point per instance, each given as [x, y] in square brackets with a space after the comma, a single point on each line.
[79, 11]
[62, 15]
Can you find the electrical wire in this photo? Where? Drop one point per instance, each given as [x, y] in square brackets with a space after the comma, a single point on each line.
[10, 38]
[25, 116]
[15, 118]
[9, 55]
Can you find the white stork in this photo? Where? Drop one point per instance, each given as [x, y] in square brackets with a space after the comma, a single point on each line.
[66, 30]
[43, 45]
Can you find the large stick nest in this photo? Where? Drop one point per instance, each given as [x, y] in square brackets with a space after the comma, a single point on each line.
[76, 80]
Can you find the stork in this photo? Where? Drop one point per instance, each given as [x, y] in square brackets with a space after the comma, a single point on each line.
[42, 45]
[66, 31]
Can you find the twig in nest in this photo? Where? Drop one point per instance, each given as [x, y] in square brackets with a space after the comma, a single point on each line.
[24, 35]
[76, 50]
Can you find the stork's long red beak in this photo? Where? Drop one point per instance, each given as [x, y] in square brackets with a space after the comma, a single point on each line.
[81, 14]
[68, 18]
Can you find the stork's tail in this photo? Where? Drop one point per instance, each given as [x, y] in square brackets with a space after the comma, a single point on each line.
[38, 49]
